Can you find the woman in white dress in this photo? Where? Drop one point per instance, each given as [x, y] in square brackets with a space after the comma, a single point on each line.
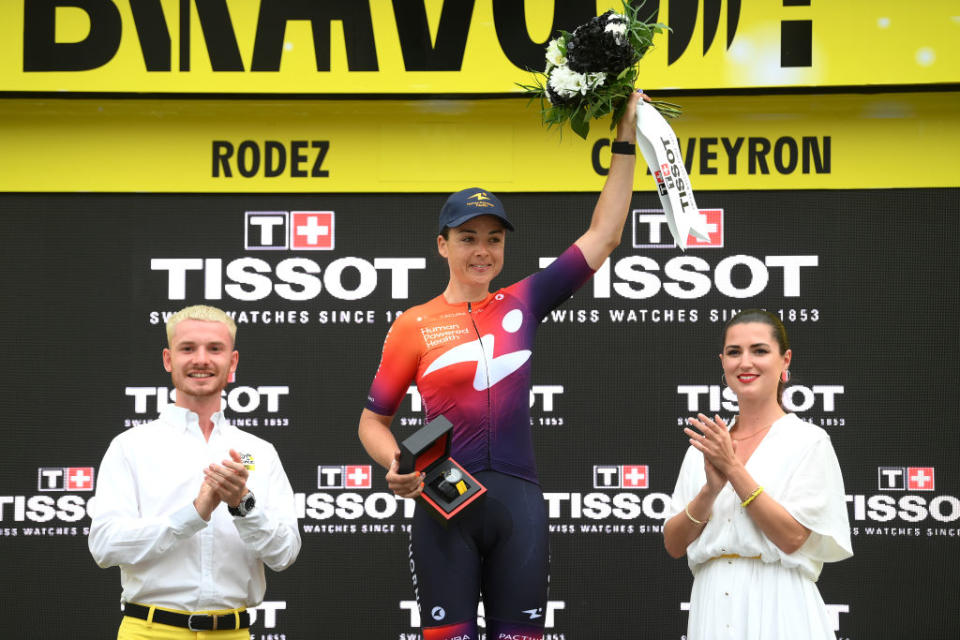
[759, 506]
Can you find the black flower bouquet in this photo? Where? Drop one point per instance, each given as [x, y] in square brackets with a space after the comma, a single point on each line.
[591, 72]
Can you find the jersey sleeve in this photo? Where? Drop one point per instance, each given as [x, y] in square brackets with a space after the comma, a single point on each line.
[398, 367]
[549, 287]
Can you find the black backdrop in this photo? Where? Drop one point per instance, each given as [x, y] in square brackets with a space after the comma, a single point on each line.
[869, 295]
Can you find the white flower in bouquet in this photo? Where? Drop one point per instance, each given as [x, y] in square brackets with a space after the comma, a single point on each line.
[568, 83]
[595, 80]
[617, 25]
[555, 57]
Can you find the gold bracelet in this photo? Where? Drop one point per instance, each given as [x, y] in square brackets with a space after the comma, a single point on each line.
[753, 495]
[692, 519]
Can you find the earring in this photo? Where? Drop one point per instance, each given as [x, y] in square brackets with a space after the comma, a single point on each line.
[723, 380]
[785, 376]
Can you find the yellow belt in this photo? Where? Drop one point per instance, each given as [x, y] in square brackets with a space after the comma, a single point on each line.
[735, 555]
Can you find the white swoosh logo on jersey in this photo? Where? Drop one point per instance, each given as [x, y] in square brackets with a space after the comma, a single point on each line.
[497, 368]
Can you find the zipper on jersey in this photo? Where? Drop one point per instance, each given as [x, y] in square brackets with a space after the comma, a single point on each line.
[486, 370]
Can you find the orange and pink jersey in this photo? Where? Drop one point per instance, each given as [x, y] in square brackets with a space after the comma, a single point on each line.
[471, 363]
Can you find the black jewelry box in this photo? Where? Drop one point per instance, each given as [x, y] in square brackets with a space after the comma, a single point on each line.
[447, 487]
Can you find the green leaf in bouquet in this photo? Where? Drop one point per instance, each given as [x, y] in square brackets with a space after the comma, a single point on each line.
[579, 123]
[666, 109]
[594, 110]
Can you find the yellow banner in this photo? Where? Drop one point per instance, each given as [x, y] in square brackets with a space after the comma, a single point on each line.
[729, 143]
[462, 46]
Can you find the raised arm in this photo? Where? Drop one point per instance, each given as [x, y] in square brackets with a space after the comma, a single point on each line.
[610, 214]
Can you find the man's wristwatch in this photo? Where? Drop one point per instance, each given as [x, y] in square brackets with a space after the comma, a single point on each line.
[247, 503]
[451, 484]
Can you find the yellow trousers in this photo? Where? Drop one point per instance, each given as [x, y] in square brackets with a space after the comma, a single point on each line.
[137, 629]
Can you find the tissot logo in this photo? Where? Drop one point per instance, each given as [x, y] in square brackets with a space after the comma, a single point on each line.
[688, 277]
[797, 398]
[267, 230]
[350, 505]
[920, 478]
[65, 478]
[283, 230]
[357, 476]
[905, 478]
[661, 185]
[240, 400]
[298, 278]
[351, 476]
[623, 505]
[626, 476]
[650, 230]
[312, 230]
[908, 507]
[44, 508]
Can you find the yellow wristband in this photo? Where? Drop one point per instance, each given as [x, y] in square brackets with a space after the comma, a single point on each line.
[692, 519]
[753, 495]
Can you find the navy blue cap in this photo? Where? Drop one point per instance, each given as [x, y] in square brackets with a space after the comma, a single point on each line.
[470, 203]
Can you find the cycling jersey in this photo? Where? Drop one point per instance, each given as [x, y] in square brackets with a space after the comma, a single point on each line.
[471, 363]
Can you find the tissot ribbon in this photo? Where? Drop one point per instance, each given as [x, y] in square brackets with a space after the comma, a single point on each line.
[661, 150]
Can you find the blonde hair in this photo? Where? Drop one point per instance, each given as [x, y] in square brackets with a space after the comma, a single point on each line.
[200, 312]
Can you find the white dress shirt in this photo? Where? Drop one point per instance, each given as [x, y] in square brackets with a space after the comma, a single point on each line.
[144, 520]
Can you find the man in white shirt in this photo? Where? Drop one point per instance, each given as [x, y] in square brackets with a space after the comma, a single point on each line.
[190, 507]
